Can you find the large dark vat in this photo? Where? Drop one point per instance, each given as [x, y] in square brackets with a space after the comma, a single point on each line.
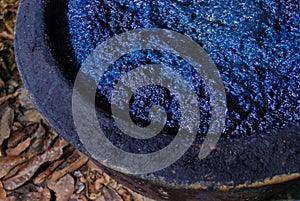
[256, 53]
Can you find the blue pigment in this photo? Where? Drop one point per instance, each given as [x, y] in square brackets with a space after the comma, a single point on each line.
[254, 44]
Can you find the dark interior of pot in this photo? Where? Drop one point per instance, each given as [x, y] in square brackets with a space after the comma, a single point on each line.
[255, 49]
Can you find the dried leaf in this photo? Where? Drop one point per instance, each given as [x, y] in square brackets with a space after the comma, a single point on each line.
[108, 193]
[32, 166]
[2, 191]
[93, 166]
[60, 143]
[78, 197]
[17, 126]
[28, 187]
[16, 169]
[2, 88]
[45, 195]
[13, 83]
[6, 121]
[15, 138]
[6, 35]
[63, 189]
[29, 117]
[1, 152]
[126, 194]
[19, 149]
[50, 138]
[9, 96]
[23, 175]
[42, 176]
[11, 198]
[36, 146]
[32, 196]
[139, 197]
[71, 168]
[19, 135]
[79, 187]
[9, 162]
[9, 28]
[24, 100]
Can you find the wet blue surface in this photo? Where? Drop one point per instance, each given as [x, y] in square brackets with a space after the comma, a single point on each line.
[255, 45]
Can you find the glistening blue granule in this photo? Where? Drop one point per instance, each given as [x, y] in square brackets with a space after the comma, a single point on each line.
[254, 43]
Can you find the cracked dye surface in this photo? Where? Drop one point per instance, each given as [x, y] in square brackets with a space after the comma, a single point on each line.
[254, 44]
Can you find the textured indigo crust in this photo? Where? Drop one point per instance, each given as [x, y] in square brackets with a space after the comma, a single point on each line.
[254, 43]
[245, 159]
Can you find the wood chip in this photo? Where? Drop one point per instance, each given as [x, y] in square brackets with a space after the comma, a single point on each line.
[7, 97]
[11, 198]
[29, 117]
[55, 152]
[19, 149]
[24, 100]
[45, 195]
[63, 189]
[23, 175]
[9, 162]
[36, 146]
[9, 28]
[27, 188]
[15, 170]
[43, 176]
[15, 138]
[93, 166]
[2, 88]
[51, 136]
[71, 168]
[6, 121]
[31, 196]
[78, 197]
[126, 193]
[32, 166]
[2, 151]
[18, 135]
[108, 193]
[2, 191]
[139, 197]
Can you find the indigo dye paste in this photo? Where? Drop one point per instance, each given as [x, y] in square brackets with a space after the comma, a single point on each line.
[254, 44]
